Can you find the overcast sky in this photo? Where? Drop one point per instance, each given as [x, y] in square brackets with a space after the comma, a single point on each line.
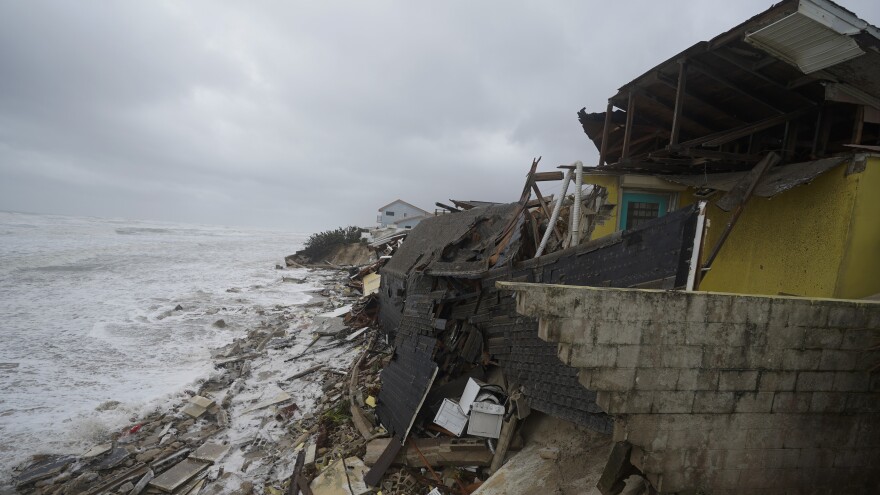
[311, 115]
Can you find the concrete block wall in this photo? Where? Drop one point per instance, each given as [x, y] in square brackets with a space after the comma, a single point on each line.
[726, 393]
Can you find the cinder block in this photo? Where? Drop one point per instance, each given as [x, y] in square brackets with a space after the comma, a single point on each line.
[738, 380]
[614, 379]
[773, 381]
[860, 338]
[806, 313]
[863, 403]
[858, 381]
[713, 402]
[656, 379]
[696, 308]
[598, 356]
[744, 459]
[651, 439]
[719, 309]
[814, 381]
[797, 360]
[674, 333]
[838, 360]
[869, 432]
[822, 338]
[828, 402]
[687, 439]
[785, 337]
[782, 458]
[717, 334]
[682, 356]
[672, 402]
[846, 315]
[585, 376]
[754, 402]
[791, 402]
[628, 356]
[765, 439]
[618, 332]
[699, 379]
[856, 457]
[633, 402]
[725, 357]
[768, 358]
[725, 478]
[563, 352]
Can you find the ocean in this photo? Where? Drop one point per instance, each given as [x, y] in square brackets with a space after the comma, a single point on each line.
[87, 316]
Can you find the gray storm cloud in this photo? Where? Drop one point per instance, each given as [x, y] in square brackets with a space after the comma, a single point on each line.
[305, 116]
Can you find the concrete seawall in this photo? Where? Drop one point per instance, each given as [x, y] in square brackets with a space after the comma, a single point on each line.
[726, 393]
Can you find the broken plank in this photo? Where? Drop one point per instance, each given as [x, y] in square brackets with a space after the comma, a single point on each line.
[547, 176]
[390, 447]
[437, 451]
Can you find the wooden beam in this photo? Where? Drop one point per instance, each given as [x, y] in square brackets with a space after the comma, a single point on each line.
[627, 133]
[718, 155]
[723, 137]
[679, 101]
[740, 194]
[547, 176]
[858, 125]
[668, 81]
[709, 72]
[647, 137]
[696, 126]
[732, 60]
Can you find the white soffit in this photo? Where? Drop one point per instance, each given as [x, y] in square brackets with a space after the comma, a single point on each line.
[813, 38]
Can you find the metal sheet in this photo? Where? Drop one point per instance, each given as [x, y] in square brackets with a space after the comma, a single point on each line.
[777, 179]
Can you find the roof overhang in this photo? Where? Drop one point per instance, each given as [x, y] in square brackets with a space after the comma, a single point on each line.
[817, 36]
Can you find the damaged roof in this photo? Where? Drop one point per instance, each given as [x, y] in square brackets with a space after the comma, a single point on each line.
[454, 242]
[792, 78]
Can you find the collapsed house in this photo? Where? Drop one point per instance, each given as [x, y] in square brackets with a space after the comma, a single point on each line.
[703, 300]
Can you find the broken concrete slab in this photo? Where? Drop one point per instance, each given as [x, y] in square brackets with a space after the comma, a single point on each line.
[116, 457]
[197, 406]
[41, 470]
[328, 327]
[178, 475]
[339, 476]
[336, 312]
[210, 452]
[281, 397]
[97, 450]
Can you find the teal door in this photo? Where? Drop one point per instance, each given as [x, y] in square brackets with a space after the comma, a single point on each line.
[638, 208]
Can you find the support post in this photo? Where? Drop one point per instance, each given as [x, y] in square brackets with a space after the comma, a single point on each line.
[555, 215]
[606, 131]
[679, 102]
[627, 133]
[575, 234]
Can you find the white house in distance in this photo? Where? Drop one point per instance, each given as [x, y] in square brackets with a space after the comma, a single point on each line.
[401, 215]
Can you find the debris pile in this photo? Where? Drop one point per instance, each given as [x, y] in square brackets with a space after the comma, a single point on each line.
[279, 397]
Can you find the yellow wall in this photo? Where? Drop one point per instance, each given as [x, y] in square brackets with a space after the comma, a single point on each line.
[819, 240]
[859, 274]
[609, 182]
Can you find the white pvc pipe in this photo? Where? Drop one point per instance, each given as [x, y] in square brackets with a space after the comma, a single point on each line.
[555, 215]
[576, 211]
